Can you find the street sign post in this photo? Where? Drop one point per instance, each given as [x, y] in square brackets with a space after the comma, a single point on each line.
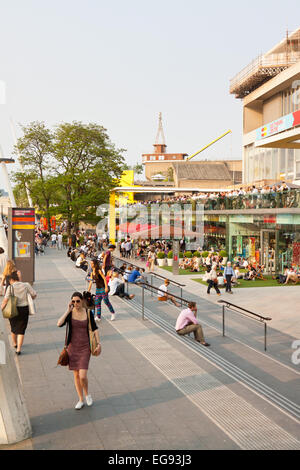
[21, 226]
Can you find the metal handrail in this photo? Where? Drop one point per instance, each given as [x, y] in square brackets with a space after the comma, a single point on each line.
[232, 307]
[145, 285]
[244, 309]
[127, 262]
[163, 277]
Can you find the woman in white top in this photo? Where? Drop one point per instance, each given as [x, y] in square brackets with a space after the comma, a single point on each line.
[19, 323]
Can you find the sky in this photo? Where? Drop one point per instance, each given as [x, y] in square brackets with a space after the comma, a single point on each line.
[120, 63]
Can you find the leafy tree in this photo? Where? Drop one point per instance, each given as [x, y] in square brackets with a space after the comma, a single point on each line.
[69, 170]
[87, 166]
[34, 150]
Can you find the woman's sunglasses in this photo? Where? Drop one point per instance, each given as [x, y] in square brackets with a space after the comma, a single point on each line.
[76, 301]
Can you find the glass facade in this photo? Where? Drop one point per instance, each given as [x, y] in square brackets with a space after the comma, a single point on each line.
[270, 164]
[271, 240]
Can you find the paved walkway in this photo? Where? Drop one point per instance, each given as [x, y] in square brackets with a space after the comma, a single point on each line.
[275, 302]
[151, 388]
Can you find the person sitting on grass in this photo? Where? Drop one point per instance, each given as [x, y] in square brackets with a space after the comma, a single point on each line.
[195, 265]
[291, 276]
[259, 272]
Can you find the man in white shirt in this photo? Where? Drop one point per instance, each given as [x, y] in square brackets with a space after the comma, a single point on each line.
[117, 287]
[59, 241]
[162, 293]
[53, 239]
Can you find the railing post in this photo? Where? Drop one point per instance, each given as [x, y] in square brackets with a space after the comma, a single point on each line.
[223, 319]
[151, 285]
[143, 301]
[181, 296]
[265, 336]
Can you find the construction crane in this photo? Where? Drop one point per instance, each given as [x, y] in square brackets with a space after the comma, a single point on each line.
[211, 143]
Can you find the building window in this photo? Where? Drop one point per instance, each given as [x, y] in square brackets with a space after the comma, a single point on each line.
[298, 170]
[161, 157]
[282, 165]
[152, 158]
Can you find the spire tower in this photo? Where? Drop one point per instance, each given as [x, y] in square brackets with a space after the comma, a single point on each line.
[160, 142]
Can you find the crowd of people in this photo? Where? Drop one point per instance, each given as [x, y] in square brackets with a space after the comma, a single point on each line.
[277, 195]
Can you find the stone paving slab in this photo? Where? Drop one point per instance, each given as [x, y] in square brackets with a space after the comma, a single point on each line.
[131, 398]
[135, 406]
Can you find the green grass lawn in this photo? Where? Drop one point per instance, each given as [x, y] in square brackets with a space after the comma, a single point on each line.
[183, 271]
[269, 282]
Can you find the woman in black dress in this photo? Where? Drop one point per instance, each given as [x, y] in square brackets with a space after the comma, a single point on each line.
[19, 323]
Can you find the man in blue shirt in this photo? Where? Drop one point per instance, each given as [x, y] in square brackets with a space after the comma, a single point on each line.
[228, 274]
[134, 276]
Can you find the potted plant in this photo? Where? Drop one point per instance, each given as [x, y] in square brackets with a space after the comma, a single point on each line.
[161, 258]
[188, 254]
[180, 254]
[170, 258]
[197, 254]
[224, 255]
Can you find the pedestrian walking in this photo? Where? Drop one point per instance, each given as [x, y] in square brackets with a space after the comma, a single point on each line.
[78, 319]
[101, 290]
[53, 240]
[107, 259]
[59, 241]
[228, 274]
[213, 280]
[18, 324]
[187, 323]
[151, 259]
[10, 268]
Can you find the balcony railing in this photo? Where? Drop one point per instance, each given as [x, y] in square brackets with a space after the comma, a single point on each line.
[272, 200]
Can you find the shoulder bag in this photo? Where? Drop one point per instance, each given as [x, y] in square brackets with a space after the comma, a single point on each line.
[63, 359]
[31, 305]
[93, 340]
[10, 310]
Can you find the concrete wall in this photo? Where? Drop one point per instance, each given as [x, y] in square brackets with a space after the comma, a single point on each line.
[253, 117]
[272, 108]
[203, 184]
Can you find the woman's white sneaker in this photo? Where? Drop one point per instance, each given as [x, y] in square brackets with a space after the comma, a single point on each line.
[113, 317]
[79, 405]
[89, 400]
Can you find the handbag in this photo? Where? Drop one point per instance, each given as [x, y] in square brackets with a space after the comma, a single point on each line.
[10, 310]
[93, 340]
[63, 359]
[31, 305]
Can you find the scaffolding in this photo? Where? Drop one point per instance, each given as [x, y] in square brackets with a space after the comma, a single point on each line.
[267, 66]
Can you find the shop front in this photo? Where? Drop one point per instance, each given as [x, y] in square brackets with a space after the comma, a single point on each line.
[269, 240]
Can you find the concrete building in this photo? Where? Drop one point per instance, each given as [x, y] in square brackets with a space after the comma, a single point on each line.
[270, 89]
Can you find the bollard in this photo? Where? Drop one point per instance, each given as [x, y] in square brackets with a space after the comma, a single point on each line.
[14, 420]
[223, 315]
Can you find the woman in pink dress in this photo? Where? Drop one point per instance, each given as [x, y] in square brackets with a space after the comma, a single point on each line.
[78, 343]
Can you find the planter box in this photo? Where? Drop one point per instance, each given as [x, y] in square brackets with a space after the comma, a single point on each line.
[161, 262]
[170, 262]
